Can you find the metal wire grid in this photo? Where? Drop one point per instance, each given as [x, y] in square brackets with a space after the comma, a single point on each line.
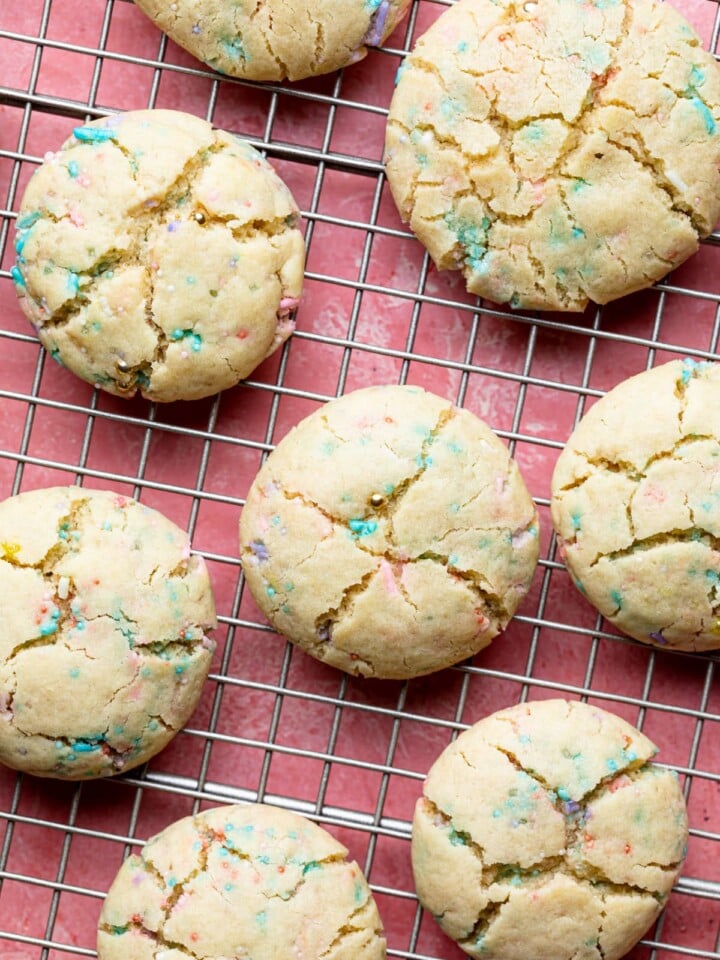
[591, 336]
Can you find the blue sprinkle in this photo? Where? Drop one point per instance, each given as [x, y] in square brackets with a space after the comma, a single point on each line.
[24, 223]
[616, 598]
[18, 278]
[73, 282]
[94, 134]
[270, 591]
[363, 528]
[704, 111]
[562, 793]
[611, 765]
[73, 168]
[82, 746]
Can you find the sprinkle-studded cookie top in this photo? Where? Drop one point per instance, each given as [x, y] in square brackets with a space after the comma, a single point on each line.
[557, 152]
[276, 40]
[636, 503]
[389, 534]
[104, 650]
[157, 255]
[545, 832]
[241, 881]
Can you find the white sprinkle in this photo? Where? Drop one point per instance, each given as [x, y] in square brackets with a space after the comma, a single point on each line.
[63, 588]
[676, 181]
[530, 6]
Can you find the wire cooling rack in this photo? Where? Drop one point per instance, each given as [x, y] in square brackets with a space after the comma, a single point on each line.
[273, 724]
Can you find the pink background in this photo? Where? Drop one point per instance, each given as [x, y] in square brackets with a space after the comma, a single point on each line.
[273, 723]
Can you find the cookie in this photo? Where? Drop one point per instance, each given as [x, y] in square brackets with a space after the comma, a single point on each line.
[636, 505]
[158, 255]
[546, 832]
[276, 40]
[557, 152]
[104, 649]
[389, 534]
[241, 881]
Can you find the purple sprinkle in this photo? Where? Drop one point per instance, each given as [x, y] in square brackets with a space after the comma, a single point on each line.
[571, 807]
[259, 549]
[376, 27]
[173, 226]
[658, 638]
[324, 632]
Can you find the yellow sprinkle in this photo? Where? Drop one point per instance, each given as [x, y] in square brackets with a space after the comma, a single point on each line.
[10, 550]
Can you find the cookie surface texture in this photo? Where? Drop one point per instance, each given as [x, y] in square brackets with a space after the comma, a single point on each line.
[104, 649]
[557, 152]
[109, 270]
[545, 832]
[636, 505]
[276, 40]
[389, 534]
[241, 881]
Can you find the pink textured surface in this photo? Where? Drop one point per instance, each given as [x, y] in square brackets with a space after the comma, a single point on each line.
[272, 722]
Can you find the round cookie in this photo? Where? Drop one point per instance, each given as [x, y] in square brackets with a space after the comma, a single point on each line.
[276, 40]
[108, 268]
[545, 832]
[103, 652]
[636, 505]
[389, 534]
[241, 881]
[557, 152]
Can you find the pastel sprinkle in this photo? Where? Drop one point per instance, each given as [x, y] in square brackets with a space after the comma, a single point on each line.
[18, 278]
[73, 168]
[94, 134]
[363, 528]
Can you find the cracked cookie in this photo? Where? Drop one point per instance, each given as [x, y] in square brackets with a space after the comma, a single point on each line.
[241, 881]
[546, 832]
[105, 616]
[557, 152]
[275, 40]
[389, 534]
[158, 255]
[636, 505]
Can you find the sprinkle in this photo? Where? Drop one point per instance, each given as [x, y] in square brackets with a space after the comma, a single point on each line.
[92, 134]
[259, 549]
[376, 27]
[63, 588]
[363, 528]
[17, 277]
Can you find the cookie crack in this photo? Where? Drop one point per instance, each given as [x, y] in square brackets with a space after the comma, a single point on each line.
[656, 168]
[687, 535]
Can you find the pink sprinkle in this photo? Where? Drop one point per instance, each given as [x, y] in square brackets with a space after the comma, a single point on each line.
[389, 578]
[76, 219]
[288, 303]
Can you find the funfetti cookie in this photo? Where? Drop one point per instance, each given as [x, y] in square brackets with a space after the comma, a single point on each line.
[557, 152]
[241, 881]
[157, 255]
[636, 505]
[389, 534]
[276, 40]
[104, 648]
[546, 832]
